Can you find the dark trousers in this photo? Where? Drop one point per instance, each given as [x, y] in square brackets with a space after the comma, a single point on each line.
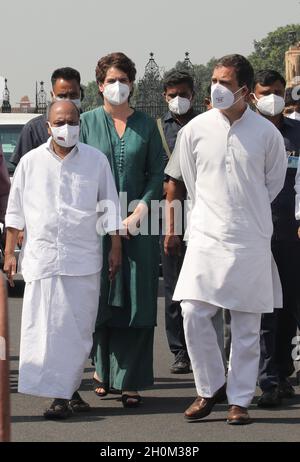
[279, 328]
[173, 317]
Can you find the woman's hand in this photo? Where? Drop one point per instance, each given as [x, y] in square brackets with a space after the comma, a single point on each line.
[133, 222]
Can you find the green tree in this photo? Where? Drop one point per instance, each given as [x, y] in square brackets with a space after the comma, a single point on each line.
[270, 51]
[92, 99]
[202, 79]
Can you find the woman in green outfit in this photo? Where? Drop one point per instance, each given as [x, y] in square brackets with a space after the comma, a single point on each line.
[124, 332]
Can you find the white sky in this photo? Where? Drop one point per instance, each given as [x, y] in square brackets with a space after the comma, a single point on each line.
[38, 36]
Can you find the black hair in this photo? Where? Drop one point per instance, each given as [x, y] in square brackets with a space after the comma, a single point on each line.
[176, 77]
[66, 73]
[267, 77]
[243, 68]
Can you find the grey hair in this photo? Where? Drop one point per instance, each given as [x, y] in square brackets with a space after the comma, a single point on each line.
[50, 106]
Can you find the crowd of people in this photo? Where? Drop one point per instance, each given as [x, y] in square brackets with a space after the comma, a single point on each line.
[92, 276]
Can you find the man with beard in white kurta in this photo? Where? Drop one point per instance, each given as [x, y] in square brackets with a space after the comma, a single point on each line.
[54, 196]
[233, 163]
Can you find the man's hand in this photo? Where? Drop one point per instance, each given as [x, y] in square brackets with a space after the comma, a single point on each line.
[115, 257]
[10, 263]
[172, 245]
[10, 268]
[20, 238]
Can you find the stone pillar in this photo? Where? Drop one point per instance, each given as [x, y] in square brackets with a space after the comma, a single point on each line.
[292, 65]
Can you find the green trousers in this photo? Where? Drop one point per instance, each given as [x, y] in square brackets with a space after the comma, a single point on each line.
[123, 357]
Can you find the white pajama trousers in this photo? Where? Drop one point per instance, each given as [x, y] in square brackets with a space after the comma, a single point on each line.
[58, 321]
[206, 357]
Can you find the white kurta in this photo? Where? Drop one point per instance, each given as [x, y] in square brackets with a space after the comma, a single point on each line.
[56, 202]
[232, 173]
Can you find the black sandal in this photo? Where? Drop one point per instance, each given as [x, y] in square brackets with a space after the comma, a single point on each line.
[98, 384]
[76, 403]
[59, 409]
[127, 403]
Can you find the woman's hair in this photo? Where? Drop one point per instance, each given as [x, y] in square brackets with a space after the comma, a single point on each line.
[118, 60]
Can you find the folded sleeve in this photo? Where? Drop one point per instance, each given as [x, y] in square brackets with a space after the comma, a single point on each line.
[14, 217]
[173, 169]
[275, 164]
[188, 164]
[4, 186]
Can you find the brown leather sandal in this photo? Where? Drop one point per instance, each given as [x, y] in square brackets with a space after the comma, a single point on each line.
[76, 403]
[59, 409]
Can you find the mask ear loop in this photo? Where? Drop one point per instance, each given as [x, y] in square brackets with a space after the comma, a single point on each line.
[240, 89]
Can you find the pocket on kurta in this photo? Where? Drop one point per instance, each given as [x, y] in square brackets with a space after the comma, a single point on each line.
[84, 193]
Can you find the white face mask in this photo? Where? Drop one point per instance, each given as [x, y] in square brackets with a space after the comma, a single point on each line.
[66, 135]
[179, 105]
[222, 97]
[77, 102]
[270, 105]
[116, 93]
[294, 115]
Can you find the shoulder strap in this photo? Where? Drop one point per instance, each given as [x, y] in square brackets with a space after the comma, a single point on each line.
[163, 137]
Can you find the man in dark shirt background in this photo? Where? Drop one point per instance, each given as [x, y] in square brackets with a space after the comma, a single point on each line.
[65, 85]
[279, 328]
[4, 186]
[179, 94]
[4, 192]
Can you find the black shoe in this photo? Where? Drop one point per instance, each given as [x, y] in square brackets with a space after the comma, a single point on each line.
[58, 410]
[269, 398]
[286, 390]
[181, 364]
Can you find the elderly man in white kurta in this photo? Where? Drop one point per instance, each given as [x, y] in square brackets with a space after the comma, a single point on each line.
[233, 163]
[54, 197]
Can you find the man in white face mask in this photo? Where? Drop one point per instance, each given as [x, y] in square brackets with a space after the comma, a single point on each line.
[179, 95]
[233, 163]
[65, 85]
[279, 328]
[54, 197]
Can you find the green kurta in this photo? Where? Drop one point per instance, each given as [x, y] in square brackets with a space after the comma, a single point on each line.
[129, 302]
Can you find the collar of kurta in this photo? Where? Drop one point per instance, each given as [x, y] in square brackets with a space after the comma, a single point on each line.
[223, 117]
[69, 156]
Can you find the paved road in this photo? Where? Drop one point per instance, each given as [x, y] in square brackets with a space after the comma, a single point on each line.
[160, 419]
